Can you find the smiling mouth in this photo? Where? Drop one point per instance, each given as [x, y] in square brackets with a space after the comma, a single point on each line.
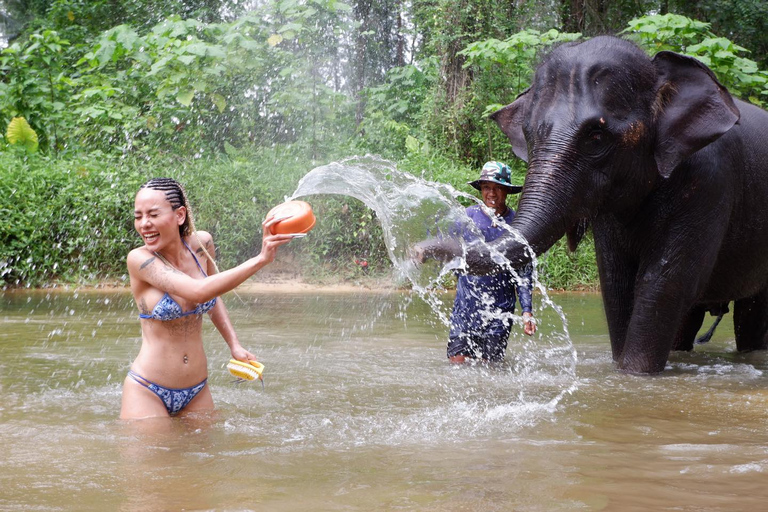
[150, 237]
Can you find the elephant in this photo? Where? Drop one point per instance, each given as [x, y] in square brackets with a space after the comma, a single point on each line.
[669, 171]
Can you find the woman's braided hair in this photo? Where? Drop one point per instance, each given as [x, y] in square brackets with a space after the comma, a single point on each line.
[175, 195]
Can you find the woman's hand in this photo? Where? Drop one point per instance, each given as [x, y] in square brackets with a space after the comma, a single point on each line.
[416, 254]
[239, 353]
[270, 242]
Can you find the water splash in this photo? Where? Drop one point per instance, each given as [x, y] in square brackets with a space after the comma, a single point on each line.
[411, 210]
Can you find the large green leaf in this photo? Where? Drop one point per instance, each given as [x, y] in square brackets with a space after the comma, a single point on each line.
[19, 131]
[219, 101]
[185, 97]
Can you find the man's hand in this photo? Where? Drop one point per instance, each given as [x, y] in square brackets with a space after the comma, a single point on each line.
[416, 254]
[529, 323]
[440, 249]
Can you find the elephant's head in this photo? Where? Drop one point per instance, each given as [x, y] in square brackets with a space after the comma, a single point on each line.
[599, 126]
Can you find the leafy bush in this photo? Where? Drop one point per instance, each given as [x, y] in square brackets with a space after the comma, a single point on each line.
[63, 220]
[561, 269]
[691, 37]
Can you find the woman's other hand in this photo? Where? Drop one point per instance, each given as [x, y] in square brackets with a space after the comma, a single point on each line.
[239, 353]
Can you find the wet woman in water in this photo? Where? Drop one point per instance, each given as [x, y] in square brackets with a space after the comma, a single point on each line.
[174, 281]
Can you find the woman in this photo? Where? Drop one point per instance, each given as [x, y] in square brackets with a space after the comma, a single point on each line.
[174, 281]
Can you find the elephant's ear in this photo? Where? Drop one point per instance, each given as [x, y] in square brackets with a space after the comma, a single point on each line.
[510, 120]
[692, 109]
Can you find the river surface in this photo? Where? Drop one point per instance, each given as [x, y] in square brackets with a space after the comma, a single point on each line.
[362, 412]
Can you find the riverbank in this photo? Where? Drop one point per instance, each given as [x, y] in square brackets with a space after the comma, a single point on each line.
[283, 279]
[280, 285]
[278, 282]
[268, 282]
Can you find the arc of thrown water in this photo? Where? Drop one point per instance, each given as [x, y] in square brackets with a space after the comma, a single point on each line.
[427, 209]
[397, 198]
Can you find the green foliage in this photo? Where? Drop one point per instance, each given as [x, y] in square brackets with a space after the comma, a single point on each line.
[62, 220]
[502, 70]
[745, 22]
[394, 110]
[561, 269]
[666, 32]
[402, 93]
[439, 167]
[184, 85]
[691, 37]
[239, 107]
[739, 74]
[450, 119]
[81, 19]
[35, 86]
[513, 57]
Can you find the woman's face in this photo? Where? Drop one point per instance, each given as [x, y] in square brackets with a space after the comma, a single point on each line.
[494, 196]
[155, 220]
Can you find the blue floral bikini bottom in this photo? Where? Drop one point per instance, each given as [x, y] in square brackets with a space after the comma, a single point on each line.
[174, 399]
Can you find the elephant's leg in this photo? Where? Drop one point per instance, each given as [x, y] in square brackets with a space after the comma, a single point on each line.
[689, 328]
[665, 295]
[671, 277]
[657, 318]
[750, 322]
[617, 280]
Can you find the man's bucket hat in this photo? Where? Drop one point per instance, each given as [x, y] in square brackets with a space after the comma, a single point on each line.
[496, 172]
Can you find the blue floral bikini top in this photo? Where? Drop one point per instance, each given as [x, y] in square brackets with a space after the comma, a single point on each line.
[168, 309]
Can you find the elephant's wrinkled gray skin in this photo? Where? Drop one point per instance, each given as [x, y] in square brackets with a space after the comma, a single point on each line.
[672, 174]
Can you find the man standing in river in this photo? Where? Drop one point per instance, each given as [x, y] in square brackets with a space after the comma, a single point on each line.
[481, 319]
[482, 314]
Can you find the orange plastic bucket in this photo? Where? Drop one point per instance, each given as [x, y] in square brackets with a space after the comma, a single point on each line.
[299, 218]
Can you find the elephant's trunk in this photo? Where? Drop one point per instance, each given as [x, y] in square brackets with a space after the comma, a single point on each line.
[546, 211]
[539, 235]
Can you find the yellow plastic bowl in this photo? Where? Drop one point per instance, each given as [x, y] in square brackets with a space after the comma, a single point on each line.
[300, 218]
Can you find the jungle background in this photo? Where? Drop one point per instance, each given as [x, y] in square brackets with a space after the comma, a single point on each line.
[240, 99]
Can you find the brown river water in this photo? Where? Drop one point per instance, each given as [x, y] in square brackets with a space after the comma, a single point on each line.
[362, 412]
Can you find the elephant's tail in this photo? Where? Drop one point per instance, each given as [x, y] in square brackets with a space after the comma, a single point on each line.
[708, 335]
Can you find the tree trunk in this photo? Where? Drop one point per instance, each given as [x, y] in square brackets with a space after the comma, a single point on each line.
[400, 55]
[360, 64]
[456, 77]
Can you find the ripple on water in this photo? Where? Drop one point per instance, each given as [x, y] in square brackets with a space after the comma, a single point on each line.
[401, 408]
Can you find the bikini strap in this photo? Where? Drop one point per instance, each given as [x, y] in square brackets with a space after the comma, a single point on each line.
[139, 379]
[195, 258]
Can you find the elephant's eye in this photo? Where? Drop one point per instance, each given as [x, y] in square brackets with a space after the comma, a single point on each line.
[594, 130]
[595, 138]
